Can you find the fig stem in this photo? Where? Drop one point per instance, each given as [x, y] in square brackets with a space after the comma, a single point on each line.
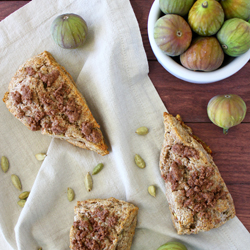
[204, 4]
[225, 131]
[224, 46]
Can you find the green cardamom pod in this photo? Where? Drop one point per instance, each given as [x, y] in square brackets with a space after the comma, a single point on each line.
[70, 194]
[4, 164]
[16, 182]
[142, 130]
[97, 168]
[139, 161]
[40, 156]
[152, 190]
[21, 203]
[24, 195]
[89, 225]
[88, 182]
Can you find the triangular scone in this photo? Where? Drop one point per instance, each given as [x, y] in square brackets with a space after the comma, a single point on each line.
[197, 195]
[43, 96]
[103, 224]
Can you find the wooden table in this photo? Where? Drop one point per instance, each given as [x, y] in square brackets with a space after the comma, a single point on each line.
[231, 152]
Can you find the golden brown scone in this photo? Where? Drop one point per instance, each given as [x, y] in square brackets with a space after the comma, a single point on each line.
[103, 224]
[197, 195]
[43, 96]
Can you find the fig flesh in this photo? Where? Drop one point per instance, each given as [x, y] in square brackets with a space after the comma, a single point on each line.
[206, 17]
[226, 111]
[69, 31]
[204, 54]
[179, 7]
[236, 8]
[172, 34]
[234, 37]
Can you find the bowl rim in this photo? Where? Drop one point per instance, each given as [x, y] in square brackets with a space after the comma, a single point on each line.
[183, 73]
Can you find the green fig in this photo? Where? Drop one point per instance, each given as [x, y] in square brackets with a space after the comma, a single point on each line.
[206, 17]
[69, 31]
[172, 34]
[226, 111]
[179, 7]
[172, 246]
[234, 37]
[236, 8]
[204, 54]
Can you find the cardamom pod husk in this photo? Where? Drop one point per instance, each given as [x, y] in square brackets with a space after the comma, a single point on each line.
[24, 195]
[97, 168]
[88, 182]
[21, 203]
[16, 182]
[40, 156]
[4, 163]
[70, 194]
[139, 161]
[152, 190]
[142, 130]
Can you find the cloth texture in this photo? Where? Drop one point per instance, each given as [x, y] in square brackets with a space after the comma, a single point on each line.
[111, 71]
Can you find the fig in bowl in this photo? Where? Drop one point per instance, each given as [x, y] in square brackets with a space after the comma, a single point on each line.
[236, 8]
[172, 64]
[180, 7]
[172, 34]
[204, 54]
[234, 37]
[206, 17]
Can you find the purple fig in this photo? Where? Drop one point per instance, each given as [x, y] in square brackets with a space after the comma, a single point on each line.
[204, 54]
[172, 34]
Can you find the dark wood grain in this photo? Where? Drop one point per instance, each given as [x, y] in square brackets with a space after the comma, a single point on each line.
[231, 152]
[190, 100]
[7, 7]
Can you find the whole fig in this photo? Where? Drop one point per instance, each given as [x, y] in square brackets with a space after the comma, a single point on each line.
[179, 7]
[204, 54]
[236, 8]
[234, 37]
[174, 245]
[69, 31]
[172, 34]
[226, 111]
[206, 17]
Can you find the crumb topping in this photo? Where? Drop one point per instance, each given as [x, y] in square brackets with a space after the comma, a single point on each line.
[200, 193]
[94, 230]
[44, 101]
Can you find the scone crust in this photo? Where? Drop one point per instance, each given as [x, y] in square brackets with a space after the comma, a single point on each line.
[122, 232]
[31, 77]
[197, 195]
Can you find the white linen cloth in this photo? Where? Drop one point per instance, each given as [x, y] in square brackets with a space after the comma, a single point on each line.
[111, 73]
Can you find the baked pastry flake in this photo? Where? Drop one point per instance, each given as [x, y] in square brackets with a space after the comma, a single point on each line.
[43, 96]
[197, 195]
[103, 224]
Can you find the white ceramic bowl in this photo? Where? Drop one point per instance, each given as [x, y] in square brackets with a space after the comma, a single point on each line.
[228, 68]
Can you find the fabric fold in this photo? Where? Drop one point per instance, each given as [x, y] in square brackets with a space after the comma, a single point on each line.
[111, 72]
